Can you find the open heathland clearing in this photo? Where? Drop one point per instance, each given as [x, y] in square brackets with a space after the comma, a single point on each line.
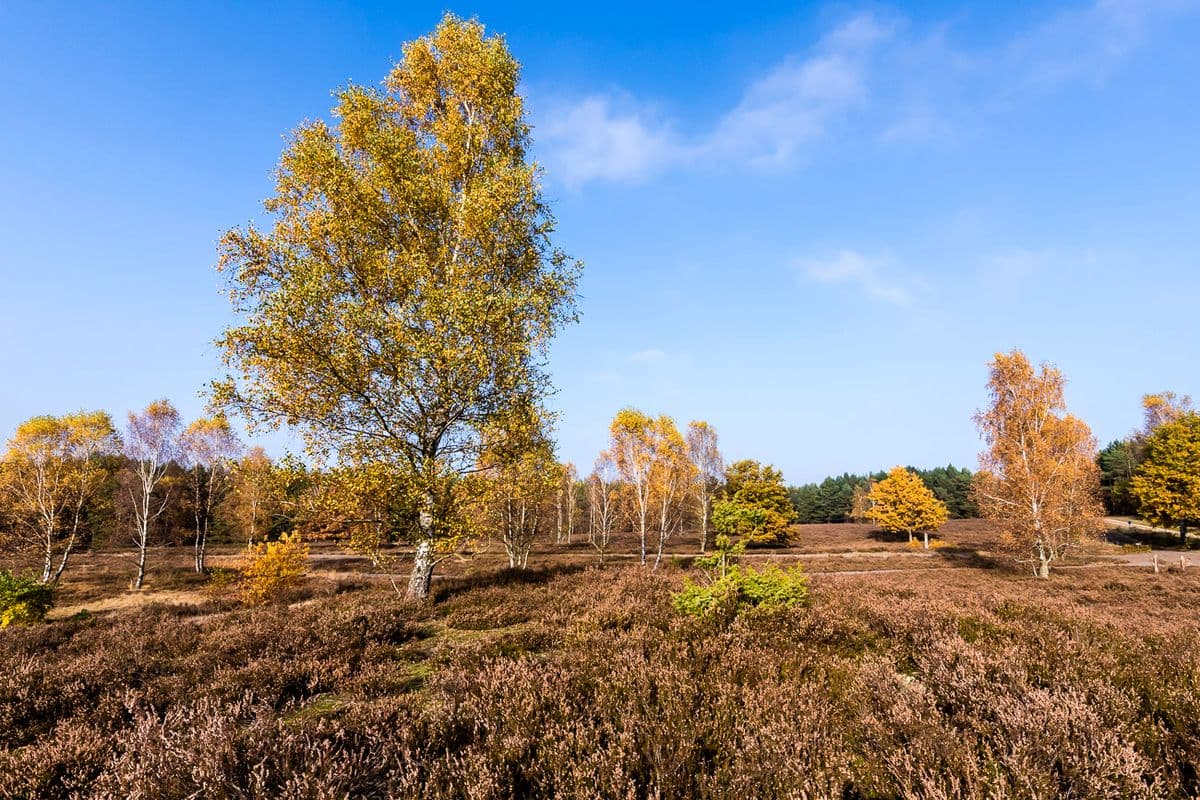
[911, 673]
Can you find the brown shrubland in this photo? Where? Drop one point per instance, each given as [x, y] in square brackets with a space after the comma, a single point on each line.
[574, 681]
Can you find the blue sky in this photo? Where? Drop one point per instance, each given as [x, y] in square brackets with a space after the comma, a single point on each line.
[810, 225]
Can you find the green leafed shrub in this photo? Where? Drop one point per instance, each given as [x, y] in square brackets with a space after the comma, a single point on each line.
[23, 599]
[743, 588]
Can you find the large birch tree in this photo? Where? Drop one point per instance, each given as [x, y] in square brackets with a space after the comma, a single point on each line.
[408, 289]
[1038, 478]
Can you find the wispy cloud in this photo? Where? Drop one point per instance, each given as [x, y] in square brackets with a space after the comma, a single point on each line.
[793, 103]
[898, 82]
[647, 356]
[1089, 42]
[599, 138]
[592, 140]
[878, 277]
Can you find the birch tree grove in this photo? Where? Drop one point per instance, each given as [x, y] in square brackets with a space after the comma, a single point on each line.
[208, 447]
[708, 471]
[151, 443]
[1038, 477]
[408, 289]
[53, 468]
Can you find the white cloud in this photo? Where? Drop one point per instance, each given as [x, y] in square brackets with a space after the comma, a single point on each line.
[778, 113]
[591, 141]
[788, 108]
[900, 83]
[647, 356]
[1090, 42]
[876, 277]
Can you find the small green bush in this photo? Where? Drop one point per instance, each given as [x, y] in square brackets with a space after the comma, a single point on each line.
[741, 589]
[23, 599]
[222, 579]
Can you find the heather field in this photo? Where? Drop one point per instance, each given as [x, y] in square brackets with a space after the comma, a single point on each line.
[906, 675]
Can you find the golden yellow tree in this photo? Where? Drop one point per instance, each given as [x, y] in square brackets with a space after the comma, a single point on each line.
[902, 503]
[254, 498]
[408, 289]
[1163, 407]
[631, 446]
[1167, 483]
[52, 470]
[517, 482]
[1038, 479]
[672, 474]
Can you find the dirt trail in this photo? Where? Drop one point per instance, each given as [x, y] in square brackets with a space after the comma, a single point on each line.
[129, 600]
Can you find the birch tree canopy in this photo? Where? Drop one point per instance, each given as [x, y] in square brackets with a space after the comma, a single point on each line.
[408, 288]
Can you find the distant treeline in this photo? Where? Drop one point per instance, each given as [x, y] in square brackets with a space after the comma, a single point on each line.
[836, 498]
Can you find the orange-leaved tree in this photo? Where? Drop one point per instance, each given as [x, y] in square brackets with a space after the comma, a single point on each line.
[902, 503]
[1038, 479]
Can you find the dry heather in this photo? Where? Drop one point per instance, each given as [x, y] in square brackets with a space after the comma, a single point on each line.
[583, 683]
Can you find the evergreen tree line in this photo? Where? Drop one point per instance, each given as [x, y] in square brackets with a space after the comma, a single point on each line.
[841, 498]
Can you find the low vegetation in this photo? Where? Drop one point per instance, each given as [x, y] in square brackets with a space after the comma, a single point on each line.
[23, 599]
[587, 682]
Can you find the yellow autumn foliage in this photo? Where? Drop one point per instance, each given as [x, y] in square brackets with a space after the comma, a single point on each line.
[272, 568]
[902, 503]
[1167, 484]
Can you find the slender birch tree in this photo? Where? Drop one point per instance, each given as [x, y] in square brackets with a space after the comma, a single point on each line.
[570, 502]
[632, 448]
[671, 476]
[704, 451]
[602, 486]
[408, 289]
[52, 471]
[151, 444]
[1038, 478]
[208, 447]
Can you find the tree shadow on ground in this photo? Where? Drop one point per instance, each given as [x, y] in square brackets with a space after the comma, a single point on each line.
[880, 535]
[505, 576]
[970, 557]
[1154, 539]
